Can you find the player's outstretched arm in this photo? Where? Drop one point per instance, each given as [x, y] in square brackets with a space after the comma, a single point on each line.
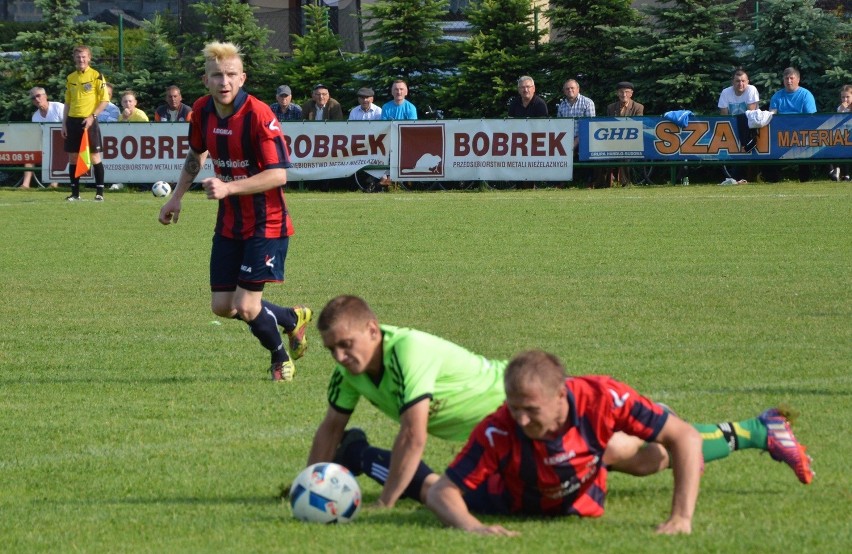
[446, 500]
[684, 445]
[170, 212]
[328, 436]
[407, 452]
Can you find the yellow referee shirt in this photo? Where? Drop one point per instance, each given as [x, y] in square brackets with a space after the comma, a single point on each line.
[84, 91]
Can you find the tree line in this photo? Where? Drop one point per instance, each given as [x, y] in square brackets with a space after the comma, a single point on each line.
[678, 53]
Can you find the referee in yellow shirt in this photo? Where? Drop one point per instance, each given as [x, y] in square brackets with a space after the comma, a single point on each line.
[85, 97]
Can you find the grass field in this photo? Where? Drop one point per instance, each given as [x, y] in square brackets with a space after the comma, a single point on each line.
[133, 420]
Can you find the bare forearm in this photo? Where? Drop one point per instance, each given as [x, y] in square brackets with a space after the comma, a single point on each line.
[261, 182]
[406, 456]
[191, 168]
[686, 465]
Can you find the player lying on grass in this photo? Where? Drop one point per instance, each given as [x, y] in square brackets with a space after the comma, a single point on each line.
[540, 452]
[432, 386]
[253, 226]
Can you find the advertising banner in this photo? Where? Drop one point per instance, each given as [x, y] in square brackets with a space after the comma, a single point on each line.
[787, 137]
[20, 143]
[484, 149]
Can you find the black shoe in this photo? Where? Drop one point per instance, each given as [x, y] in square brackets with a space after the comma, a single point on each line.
[350, 437]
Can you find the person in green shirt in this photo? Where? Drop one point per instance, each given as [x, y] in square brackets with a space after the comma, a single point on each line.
[431, 386]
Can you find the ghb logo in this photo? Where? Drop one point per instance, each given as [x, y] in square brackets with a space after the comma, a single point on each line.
[617, 133]
[421, 150]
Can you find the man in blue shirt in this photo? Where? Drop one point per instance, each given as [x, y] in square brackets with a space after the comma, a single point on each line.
[792, 99]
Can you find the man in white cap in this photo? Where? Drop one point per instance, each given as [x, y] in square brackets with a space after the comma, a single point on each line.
[283, 108]
[365, 110]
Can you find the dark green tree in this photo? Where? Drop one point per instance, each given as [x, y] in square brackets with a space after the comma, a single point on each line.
[153, 69]
[683, 54]
[504, 46]
[317, 58]
[816, 42]
[404, 40]
[46, 56]
[583, 49]
[234, 21]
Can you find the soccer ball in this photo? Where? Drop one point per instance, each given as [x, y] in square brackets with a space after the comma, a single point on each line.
[325, 493]
[161, 189]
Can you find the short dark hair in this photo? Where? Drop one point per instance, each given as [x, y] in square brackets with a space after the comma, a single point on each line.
[534, 366]
[344, 306]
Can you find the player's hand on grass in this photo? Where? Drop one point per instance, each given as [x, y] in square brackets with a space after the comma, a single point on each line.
[494, 530]
[675, 526]
[216, 189]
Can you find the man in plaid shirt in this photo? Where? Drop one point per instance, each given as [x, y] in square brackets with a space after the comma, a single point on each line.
[576, 105]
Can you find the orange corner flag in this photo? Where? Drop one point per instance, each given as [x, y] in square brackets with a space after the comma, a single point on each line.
[84, 158]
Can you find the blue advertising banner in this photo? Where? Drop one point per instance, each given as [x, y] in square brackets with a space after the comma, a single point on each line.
[787, 137]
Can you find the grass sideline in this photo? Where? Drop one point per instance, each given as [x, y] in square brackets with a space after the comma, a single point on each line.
[134, 420]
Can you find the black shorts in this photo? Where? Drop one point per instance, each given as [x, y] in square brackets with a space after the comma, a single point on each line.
[74, 128]
[247, 263]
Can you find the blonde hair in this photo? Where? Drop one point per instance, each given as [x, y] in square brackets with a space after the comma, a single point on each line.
[345, 307]
[218, 51]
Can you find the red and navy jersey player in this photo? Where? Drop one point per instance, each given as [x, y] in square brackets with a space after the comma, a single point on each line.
[250, 159]
[244, 144]
[541, 452]
[563, 476]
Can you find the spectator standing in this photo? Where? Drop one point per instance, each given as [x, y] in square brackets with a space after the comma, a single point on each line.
[576, 105]
[624, 107]
[365, 110]
[792, 99]
[399, 108]
[86, 97]
[527, 103]
[283, 107]
[841, 173]
[46, 112]
[129, 112]
[321, 106]
[253, 226]
[735, 100]
[174, 110]
[111, 112]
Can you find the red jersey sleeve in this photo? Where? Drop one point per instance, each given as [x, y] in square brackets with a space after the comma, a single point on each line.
[270, 146]
[488, 444]
[633, 413]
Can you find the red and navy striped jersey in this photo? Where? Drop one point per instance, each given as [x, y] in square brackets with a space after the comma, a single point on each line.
[564, 476]
[243, 144]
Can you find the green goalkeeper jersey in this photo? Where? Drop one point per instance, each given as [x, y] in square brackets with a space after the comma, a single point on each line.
[462, 387]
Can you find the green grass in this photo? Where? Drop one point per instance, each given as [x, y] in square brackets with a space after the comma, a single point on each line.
[133, 420]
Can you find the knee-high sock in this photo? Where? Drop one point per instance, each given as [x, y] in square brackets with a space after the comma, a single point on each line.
[265, 328]
[75, 181]
[286, 316]
[720, 439]
[99, 177]
[375, 462]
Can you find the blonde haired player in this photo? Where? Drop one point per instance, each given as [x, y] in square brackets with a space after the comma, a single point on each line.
[253, 226]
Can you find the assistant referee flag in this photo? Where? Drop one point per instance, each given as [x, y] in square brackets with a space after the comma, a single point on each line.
[84, 158]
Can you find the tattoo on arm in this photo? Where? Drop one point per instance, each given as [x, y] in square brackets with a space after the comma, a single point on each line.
[192, 166]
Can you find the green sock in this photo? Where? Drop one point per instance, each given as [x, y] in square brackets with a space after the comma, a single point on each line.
[723, 438]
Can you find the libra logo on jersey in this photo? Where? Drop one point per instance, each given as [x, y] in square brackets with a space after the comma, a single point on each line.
[622, 138]
[421, 150]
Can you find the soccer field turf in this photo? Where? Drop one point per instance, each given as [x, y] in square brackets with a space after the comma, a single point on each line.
[134, 420]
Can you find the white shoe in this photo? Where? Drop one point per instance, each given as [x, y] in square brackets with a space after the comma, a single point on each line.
[834, 174]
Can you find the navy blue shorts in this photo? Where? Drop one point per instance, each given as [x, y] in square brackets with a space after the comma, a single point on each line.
[247, 263]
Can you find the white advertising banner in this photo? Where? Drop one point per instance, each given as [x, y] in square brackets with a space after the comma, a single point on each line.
[20, 143]
[484, 149]
[459, 150]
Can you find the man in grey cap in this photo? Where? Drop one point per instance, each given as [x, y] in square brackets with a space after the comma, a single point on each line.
[321, 106]
[625, 106]
[284, 109]
[365, 110]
